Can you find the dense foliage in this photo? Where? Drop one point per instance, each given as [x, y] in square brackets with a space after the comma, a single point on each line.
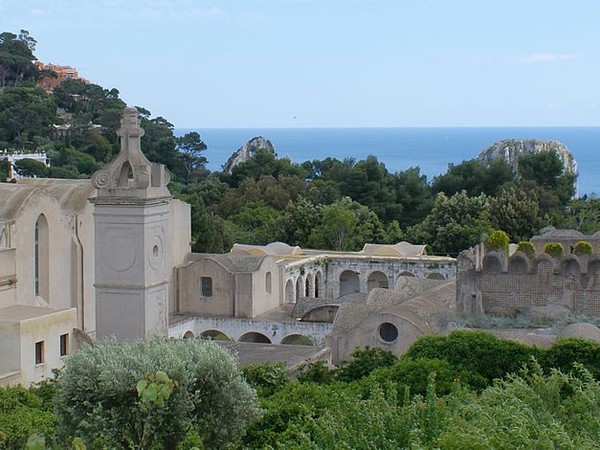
[464, 390]
[24, 412]
[498, 240]
[583, 248]
[554, 249]
[527, 248]
[329, 203]
[145, 393]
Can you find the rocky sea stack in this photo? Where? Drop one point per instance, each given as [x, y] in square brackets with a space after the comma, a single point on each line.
[247, 151]
[511, 149]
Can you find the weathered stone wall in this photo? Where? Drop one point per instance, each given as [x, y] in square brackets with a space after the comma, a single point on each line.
[191, 300]
[235, 328]
[336, 280]
[567, 238]
[510, 286]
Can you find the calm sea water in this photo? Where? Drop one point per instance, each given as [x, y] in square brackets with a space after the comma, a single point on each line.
[432, 149]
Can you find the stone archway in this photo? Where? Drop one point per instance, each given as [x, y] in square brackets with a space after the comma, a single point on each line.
[299, 289]
[297, 339]
[318, 285]
[255, 337]
[289, 291]
[308, 283]
[188, 335]
[349, 283]
[377, 279]
[215, 335]
[435, 276]
[324, 314]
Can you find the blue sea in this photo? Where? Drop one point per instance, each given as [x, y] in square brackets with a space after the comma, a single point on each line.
[431, 149]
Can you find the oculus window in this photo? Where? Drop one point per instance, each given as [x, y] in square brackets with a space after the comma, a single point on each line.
[388, 332]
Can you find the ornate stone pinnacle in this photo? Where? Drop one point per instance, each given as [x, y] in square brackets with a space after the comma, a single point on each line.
[130, 174]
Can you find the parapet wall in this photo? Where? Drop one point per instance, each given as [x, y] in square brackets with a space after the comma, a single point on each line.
[509, 286]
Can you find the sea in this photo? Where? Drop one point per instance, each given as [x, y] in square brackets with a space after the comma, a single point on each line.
[431, 149]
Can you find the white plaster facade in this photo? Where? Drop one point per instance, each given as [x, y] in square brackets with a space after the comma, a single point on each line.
[13, 157]
[53, 257]
[46, 274]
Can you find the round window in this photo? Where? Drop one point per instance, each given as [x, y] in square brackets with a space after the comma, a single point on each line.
[388, 332]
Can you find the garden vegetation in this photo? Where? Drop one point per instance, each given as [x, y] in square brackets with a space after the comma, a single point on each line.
[468, 389]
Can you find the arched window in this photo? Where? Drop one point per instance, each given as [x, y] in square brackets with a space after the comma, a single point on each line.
[41, 258]
[289, 292]
[317, 284]
[125, 175]
[307, 286]
[256, 337]
[377, 280]
[268, 286]
[349, 283]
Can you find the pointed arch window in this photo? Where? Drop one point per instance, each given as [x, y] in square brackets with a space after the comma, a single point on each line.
[41, 258]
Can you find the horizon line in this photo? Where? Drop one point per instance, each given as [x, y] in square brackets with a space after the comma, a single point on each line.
[345, 127]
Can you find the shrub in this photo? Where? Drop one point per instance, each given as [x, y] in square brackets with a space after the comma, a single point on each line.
[22, 413]
[583, 248]
[291, 412]
[413, 374]
[482, 356]
[526, 248]
[266, 378]
[28, 167]
[316, 372]
[554, 249]
[497, 240]
[97, 398]
[363, 363]
[526, 411]
[568, 351]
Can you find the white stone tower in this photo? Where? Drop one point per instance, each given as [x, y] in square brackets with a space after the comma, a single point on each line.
[131, 216]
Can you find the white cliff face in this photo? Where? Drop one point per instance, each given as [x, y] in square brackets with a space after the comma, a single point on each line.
[511, 149]
[247, 151]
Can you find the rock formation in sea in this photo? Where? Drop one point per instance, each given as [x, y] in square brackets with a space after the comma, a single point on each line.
[247, 151]
[511, 149]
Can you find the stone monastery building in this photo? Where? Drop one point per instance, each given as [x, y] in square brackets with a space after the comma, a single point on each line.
[83, 260]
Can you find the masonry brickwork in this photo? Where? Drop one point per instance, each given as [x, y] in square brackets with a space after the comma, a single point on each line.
[496, 284]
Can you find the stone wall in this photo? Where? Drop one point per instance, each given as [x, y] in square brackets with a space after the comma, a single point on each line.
[342, 275]
[515, 285]
[276, 332]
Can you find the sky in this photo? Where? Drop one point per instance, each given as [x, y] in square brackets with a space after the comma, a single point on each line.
[331, 63]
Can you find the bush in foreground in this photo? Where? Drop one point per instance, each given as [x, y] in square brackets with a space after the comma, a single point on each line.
[197, 385]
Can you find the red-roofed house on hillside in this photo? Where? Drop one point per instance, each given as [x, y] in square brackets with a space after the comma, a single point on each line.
[62, 73]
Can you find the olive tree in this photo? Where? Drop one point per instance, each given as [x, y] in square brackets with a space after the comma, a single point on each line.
[105, 395]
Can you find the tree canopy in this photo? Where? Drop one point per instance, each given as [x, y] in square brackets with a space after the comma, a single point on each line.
[194, 386]
[328, 203]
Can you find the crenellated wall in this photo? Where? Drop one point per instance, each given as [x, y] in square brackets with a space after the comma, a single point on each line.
[500, 285]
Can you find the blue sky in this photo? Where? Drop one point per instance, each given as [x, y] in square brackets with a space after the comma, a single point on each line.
[326, 63]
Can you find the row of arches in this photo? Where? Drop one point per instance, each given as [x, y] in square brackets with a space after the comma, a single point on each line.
[518, 263]
[252, 336]
[311, 285]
